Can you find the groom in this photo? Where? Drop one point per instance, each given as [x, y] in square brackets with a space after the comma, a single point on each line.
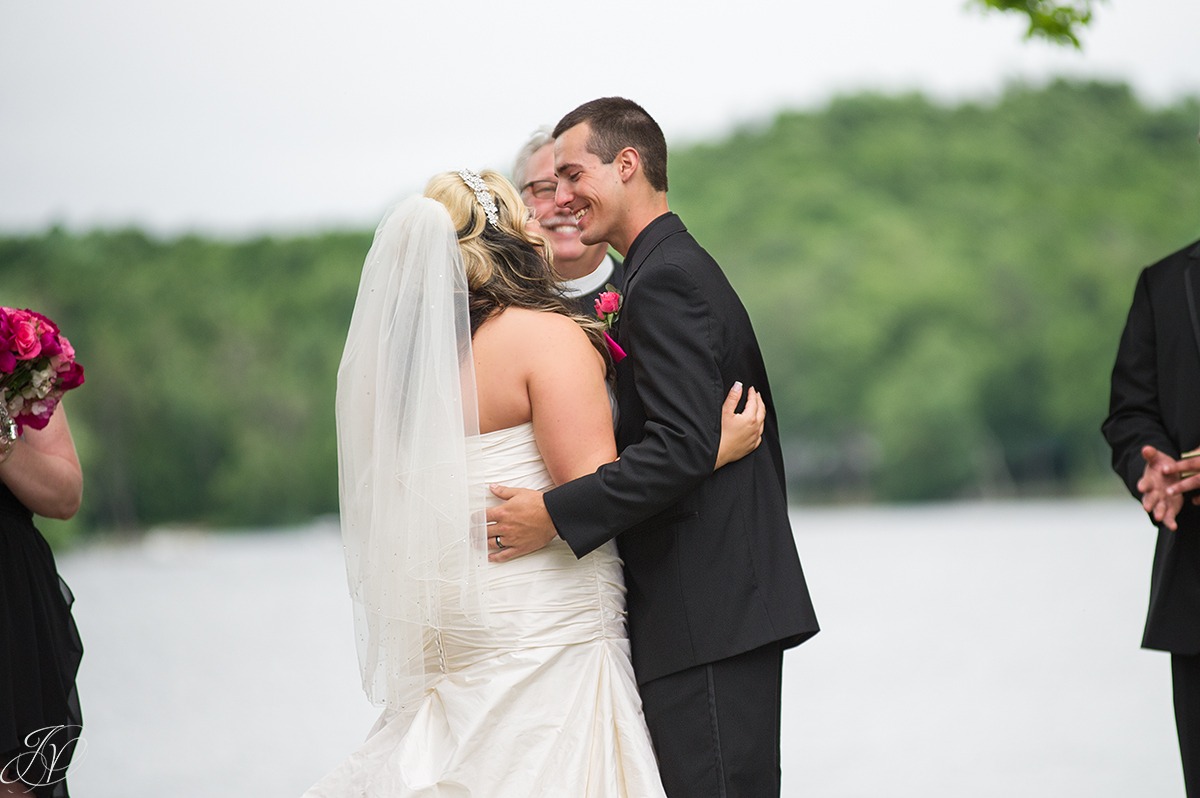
[716, 592]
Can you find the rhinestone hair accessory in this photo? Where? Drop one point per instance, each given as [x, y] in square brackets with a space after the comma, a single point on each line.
[482, 195]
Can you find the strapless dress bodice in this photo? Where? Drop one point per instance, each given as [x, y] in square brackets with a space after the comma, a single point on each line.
[538, 702]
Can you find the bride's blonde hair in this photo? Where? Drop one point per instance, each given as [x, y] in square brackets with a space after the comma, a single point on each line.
[507, 264]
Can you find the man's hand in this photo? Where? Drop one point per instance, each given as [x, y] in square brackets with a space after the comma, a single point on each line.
[1187, 471]
[1160, 486]
[518, 527]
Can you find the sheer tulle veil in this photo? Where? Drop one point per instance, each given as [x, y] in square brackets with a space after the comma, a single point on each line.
[413, 531]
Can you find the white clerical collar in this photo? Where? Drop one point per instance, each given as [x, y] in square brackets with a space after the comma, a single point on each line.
[590, 283]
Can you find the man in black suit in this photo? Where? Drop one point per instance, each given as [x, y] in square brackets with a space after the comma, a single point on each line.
[1154, 417]
[716, 591]
[585, 269]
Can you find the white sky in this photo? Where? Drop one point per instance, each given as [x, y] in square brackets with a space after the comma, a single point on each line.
[235, 116]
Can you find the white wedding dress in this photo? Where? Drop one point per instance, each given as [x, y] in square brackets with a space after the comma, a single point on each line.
[542, 702]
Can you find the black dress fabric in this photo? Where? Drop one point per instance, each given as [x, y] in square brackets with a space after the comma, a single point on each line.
[40, 651]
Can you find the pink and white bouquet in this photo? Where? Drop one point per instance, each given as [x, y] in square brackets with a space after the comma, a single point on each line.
[37, 366]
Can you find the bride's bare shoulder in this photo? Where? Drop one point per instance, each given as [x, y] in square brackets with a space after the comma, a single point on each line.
[533, 341]
[535, 326]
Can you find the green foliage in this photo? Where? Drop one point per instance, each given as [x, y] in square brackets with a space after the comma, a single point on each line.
[210, 369]
[938, 292]
[1058, 23]
[945, 284]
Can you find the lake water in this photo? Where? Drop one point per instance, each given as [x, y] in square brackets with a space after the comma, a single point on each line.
[981, 649]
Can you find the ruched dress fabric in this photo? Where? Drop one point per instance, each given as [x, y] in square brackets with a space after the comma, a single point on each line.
[40, 652]
[541, 702]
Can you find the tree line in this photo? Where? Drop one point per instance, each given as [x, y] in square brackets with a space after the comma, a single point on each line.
[938, 290]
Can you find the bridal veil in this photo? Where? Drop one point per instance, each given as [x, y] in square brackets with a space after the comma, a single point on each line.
[414, 536]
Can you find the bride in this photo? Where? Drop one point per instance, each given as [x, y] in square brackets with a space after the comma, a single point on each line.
[464, 367]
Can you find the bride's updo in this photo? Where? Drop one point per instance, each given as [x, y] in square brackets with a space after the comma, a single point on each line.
[507, 264]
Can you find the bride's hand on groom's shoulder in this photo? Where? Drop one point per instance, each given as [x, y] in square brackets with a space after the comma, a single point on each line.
[518, 527]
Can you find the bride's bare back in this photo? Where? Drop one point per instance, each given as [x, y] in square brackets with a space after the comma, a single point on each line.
[540, 367]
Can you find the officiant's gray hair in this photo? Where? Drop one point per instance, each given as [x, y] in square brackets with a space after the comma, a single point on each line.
[538, 139]
[616, 123]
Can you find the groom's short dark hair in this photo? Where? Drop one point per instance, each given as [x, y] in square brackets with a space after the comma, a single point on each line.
[617, 123]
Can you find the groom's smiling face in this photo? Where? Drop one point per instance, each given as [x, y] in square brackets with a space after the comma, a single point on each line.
[586, 187]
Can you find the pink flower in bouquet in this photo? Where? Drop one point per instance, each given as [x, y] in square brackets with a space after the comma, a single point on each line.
[51, 344]
[37, 366]
[8, 361]
[70, 376]
[26, 337]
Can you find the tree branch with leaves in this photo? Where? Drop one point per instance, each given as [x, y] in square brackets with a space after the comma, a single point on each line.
[1061, 23]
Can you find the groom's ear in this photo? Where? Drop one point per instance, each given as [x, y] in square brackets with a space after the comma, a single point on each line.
[628, 163]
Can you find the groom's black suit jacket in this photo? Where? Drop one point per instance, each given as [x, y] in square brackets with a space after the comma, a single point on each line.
[1156, 400]
[710, 561]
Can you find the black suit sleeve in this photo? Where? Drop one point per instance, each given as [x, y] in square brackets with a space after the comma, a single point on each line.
[1135, 412]
[670, 334]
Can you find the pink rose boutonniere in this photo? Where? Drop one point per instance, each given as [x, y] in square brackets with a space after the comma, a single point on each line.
[608, 306]
[37, 366]
[608, 310]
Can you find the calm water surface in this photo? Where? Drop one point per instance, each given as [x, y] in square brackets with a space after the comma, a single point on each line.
[967, 650]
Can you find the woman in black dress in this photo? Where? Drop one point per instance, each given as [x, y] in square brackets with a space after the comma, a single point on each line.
[40, 648]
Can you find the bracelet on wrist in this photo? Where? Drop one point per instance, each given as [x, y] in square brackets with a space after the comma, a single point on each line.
[8, 433]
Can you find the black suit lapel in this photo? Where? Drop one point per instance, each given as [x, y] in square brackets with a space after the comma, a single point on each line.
[1189, 285]
[647, 241]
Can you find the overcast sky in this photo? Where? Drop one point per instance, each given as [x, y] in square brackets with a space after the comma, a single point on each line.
[236, 116]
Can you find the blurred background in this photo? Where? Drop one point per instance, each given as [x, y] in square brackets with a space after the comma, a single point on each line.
[935, 222]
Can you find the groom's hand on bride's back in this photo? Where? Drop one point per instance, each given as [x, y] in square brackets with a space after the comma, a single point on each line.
[518, 527]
